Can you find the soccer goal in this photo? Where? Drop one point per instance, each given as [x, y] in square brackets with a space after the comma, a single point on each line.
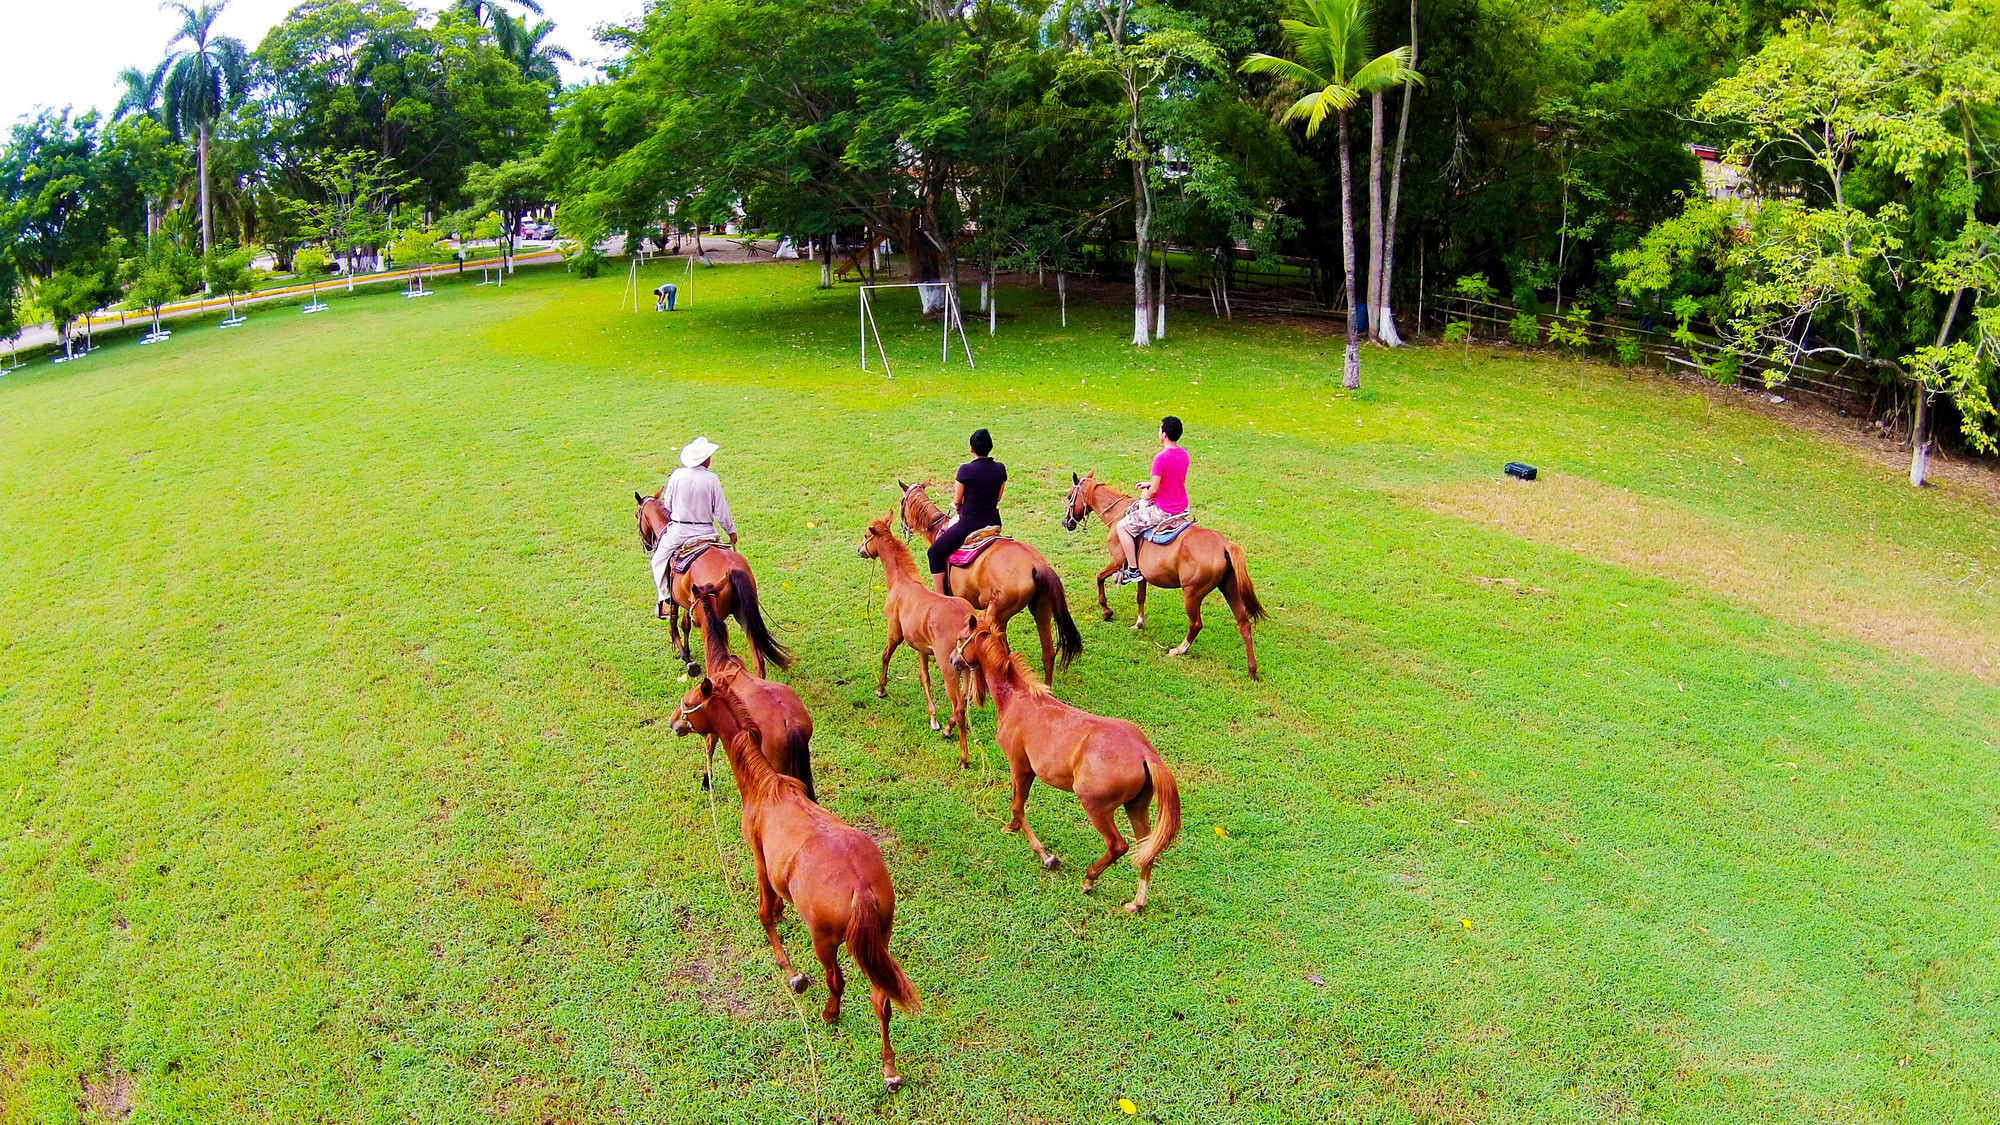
[954, 321]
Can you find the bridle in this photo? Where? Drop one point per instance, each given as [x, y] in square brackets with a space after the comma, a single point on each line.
[958, 650]
[1071, 520]
[647, 542]
[682, 712]
[903, 513]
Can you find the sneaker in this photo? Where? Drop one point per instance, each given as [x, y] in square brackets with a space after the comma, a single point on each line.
[1130, 575]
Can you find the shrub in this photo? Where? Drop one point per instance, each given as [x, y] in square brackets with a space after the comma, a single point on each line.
[1457, 331]
[1525, 330]
[587, 262]
[1629, 352]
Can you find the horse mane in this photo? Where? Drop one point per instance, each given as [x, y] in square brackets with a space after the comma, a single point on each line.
[919, 499]
[746, 754]
[1022, 677]
[715, 638]
[891, 548]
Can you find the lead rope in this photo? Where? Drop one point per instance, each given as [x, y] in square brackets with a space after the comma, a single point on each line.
[805, 1029]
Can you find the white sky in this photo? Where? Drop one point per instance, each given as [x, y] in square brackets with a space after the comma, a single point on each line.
[69, 52]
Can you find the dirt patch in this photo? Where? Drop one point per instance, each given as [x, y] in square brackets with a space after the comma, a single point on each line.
[1429, 1103]
[712, 976]
[106, 1097]
[1874, 592]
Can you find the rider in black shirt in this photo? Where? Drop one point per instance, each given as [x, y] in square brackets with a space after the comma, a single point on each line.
[977, 497]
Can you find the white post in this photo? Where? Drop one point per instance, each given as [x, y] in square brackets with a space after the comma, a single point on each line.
[1062, 294]
[993, 313]
[861, 315]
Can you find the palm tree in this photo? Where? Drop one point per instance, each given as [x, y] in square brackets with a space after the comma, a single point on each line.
[202, 83]
[527, 46]
[139, 92]
[1329, 42]
[485, 12]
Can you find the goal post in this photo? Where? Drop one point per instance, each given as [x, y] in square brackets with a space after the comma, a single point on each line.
[954, 321]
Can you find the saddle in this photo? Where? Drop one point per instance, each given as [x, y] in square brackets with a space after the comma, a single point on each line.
[685, 554]
[976, 543]
[1170, 530]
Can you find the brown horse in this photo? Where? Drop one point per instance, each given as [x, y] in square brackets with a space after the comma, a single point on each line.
[1006, 578]
[1107, 763]
[831, 873]
[1196, 562]
[722, 567]
[775, 706]
[927, 621]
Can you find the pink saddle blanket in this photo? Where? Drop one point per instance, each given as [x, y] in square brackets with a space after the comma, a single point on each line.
[976, 543]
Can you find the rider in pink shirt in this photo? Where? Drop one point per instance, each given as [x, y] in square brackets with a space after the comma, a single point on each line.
[1160, 498]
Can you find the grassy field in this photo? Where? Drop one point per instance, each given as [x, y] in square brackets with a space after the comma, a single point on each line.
[334, 784]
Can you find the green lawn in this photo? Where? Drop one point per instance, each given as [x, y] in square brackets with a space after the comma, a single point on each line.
[336, 785]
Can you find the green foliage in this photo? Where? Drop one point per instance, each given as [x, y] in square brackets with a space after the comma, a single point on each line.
[163, 272]
[1525, 330]
[429, 98]
[1630, 353]
[1572, 330]
[1474, 287]
[1458, 332]
[311, 262]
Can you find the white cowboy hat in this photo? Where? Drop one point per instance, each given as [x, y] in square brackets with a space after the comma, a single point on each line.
[697, 451]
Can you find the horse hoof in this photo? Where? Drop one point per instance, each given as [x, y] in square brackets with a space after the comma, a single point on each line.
[892, 1084]
[1132, 907]
[881, 693]
[935, 726]
[801, 982]
[1107, 615]
[1177, 650]
[693, 669]
[830, 1017]
[1088, 886]
[1050, 862]
[705, 783]
[1137, 625]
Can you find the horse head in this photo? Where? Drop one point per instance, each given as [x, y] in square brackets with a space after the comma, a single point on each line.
[693, 703]
[652, 517]
[913, 494]
[871, 538]
[1077, 508]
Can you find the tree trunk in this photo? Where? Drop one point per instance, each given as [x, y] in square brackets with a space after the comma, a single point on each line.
[1374, 216]
[1160, 304]
[1920, 438]
[201, 157]
[1383, 316]
[1351, 373]
[1142, 229]
[825, 246]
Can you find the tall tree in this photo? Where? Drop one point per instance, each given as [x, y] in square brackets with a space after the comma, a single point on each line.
[1329, 42]
[139, 92]
[1383, 322]
[203, 81]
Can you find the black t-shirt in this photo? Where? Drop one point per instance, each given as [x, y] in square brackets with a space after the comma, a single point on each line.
[982, 479]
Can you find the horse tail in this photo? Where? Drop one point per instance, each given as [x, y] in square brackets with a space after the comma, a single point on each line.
[798, 759]
[745, 589]
[1169, 824]
[1236, 579]
[868, 941]
[1049, 591]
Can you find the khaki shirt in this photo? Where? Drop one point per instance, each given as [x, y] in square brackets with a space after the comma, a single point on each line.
[694, 496]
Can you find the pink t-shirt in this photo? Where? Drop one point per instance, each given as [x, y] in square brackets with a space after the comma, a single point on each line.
[1171, 466]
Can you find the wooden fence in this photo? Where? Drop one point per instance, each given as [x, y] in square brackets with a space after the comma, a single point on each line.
[1493, 320]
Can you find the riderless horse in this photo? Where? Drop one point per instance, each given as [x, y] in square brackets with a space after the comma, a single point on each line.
[831, 873]
[1107, 763]
[779, 713]
[927, 621]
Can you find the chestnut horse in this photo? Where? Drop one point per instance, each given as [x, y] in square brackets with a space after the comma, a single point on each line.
[831, 873]
[1107, 763]
[1196, 562]
[719, 566]
[927, 621]
[1007, 577]
[776, 707]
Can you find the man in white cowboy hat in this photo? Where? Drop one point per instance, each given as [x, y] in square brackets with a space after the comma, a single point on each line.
[695, 508]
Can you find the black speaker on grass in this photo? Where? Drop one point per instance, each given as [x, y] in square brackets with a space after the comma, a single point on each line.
[1517, 469]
